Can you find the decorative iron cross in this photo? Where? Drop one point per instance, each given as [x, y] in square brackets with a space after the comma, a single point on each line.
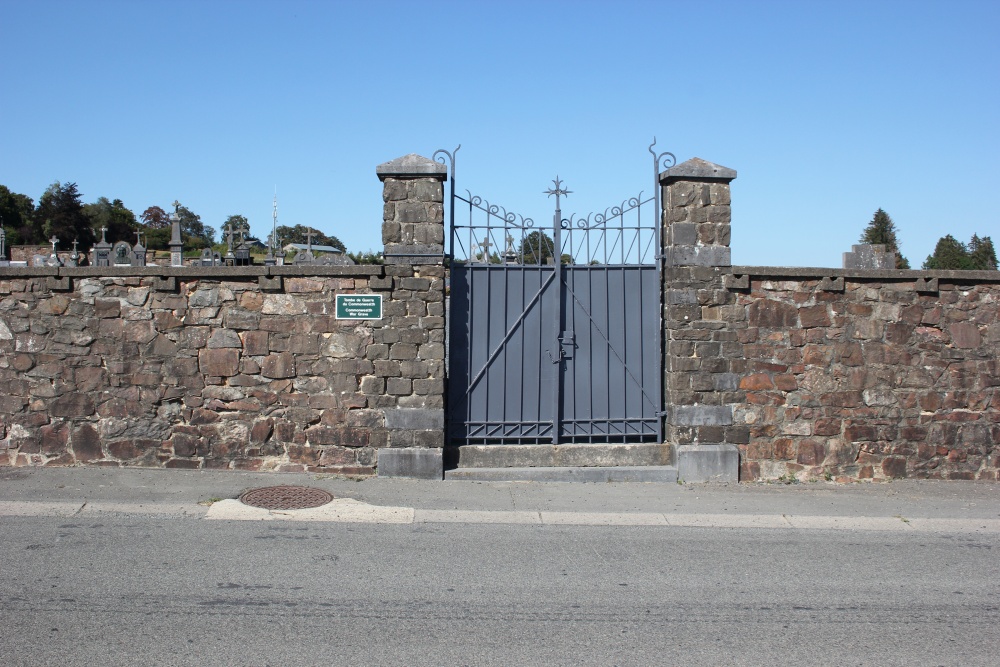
[558, 190]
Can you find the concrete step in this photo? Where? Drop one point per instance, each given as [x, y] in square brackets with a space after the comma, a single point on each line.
[600, 455]
[598, 474]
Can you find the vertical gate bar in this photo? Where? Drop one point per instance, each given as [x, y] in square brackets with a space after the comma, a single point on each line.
[660, 261]
[541, 348]
[558, 191]
[472, 287]
[557, 324]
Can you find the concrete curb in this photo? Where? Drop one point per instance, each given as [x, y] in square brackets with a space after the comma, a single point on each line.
[347, 510]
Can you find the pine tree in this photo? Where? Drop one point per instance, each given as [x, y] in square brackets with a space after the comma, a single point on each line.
[60, 214]
[882, 231]
[982, 255]
[949, 254]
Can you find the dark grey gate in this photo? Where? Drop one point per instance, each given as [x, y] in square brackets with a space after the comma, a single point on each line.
[548, 347]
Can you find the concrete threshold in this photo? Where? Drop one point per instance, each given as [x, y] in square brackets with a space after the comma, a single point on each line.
[594, 474]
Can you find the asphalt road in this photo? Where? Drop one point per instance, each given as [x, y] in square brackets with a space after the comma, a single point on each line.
[130, 589]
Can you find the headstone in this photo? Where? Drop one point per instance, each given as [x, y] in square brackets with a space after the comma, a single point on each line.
[102, 250]
[138, 251]
[74, 258]
[123, 254]
[207, 257]
[869, 256]
[53, 258]
[242, 254]
[176, 244]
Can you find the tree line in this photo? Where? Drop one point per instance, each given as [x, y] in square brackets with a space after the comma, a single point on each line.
[61, 213]
[949, 253]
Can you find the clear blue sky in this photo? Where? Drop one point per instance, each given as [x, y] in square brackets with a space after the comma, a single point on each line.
[827, 110]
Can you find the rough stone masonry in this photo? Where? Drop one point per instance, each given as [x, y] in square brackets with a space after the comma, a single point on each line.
[809, 373]
[240, 367]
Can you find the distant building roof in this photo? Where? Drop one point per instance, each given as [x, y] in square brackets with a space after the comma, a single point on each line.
[315, 248]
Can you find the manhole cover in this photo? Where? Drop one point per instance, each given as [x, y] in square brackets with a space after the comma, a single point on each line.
[286, 497]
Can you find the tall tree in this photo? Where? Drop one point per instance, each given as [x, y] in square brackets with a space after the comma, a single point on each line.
[119, 221]
[949, 254]
[297, 234]
[536, 248]
[155, 217]
[60, 214]
[982, 254]
[16, 214]
[952, 254]
[235, 222]
[157, 228]
[882, 230]
[194, 232]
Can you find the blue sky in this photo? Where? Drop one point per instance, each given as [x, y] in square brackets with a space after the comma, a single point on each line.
[827, 110]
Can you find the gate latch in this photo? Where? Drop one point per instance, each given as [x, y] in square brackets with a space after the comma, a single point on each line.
[567, 341]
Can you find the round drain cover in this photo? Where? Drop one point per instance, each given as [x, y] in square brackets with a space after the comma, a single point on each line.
[286, 497]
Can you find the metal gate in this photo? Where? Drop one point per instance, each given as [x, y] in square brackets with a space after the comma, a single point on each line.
[554, 331]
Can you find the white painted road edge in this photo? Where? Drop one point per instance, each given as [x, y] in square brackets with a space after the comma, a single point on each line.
[347, 510]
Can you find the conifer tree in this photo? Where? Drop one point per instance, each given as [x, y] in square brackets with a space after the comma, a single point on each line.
[60, 214]
[950, 254]
[881, 230]
[982, 255]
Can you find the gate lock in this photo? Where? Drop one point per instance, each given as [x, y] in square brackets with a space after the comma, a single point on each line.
[567, 341]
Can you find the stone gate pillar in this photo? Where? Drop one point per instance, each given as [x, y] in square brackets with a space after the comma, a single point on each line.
[701, 352]
[413, 334]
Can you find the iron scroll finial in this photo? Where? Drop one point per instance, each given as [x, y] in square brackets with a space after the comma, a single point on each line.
[665, 159]
[440, 156]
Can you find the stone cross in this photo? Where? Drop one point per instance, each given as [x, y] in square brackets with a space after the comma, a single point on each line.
[485, 246]
[53, 241]
[228, 229]
[103, 231]
[138, 238]
[309, 237]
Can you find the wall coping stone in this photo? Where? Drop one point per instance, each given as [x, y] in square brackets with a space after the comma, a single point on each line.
[208, 272]
[866, 274]
[697, 169]
[412, 166]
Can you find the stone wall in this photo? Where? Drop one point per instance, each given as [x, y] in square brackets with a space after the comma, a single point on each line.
[822, 373]
[242, 371]
[806, 373]
[869, 374]
[235, 367]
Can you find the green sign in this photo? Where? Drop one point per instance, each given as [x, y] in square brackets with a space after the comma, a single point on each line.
[359, 306]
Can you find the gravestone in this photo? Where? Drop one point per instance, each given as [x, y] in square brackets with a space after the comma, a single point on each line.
[242, 254]
[122, 254]
[102, 251]
[869, 256]
[138, 251]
